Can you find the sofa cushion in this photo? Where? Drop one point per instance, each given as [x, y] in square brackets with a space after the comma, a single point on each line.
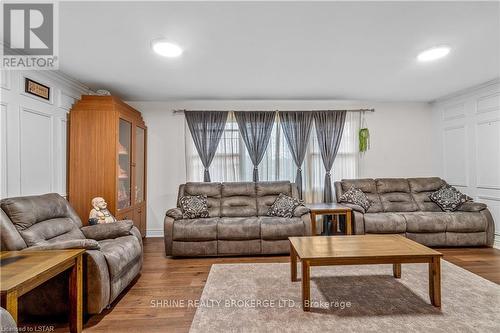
[449, 198]
[395, 195]
[238, 199]
[421, 188]
[194, 206]
[466, 222]
[195, 229]
[369, 188]
[120, 253]
[29, 210]
[280, 227]
[384, 223]
[267, 192]
[284, 206]
[233, 228]
[427, 222]
[211, 190]
[52, 230]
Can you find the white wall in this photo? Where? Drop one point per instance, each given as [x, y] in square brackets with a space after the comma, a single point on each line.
[401, 143]
[467, 134]
[33, 133]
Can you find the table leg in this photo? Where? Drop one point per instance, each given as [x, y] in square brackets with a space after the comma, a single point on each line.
[75, 296]
[435, 281]
[9, 301]
[348, 223]
[313, 223]
[396, 270]
[293, 263]
[306, 285]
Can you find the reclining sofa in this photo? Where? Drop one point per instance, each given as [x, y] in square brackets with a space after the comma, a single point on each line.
[402, 206]
[238, 223]
[112, 260]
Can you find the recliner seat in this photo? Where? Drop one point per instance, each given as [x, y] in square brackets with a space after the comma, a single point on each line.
[402, 206]
[238, 222]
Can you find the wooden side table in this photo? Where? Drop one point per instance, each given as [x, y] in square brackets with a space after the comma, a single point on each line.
[330, 209]
[22, 271]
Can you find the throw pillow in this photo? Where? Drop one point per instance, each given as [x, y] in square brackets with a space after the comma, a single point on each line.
[284, 206]
[449, 198]
[194, 206]
[357, 197]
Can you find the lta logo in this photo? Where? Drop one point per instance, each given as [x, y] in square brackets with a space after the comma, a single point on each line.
[28, 34]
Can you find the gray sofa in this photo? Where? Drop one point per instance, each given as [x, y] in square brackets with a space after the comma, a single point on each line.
[113, 258]
[402, 206]
[238, 224]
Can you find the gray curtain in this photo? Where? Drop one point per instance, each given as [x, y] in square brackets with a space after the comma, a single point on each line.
[297, 128]
[206, 128]
[255, 128]
[329, 128]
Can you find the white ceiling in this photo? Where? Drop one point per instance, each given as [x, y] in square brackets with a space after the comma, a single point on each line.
[278, 50]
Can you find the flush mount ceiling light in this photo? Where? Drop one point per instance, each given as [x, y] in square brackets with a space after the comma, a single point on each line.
[433, 53]
[166, 48]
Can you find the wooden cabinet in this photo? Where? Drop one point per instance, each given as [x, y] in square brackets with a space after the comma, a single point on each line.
[107, 158]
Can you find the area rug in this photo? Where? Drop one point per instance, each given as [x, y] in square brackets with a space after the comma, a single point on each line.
[261, 298]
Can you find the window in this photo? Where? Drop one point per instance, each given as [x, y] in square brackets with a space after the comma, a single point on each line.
[232, 162]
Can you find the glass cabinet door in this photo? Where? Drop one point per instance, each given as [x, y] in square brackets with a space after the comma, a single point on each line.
[124, 145]
[140, 164]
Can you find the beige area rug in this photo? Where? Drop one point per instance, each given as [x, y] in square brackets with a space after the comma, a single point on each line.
[261, 298]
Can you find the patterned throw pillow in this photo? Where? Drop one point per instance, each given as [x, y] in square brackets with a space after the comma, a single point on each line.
[194, 206]
[356, 197]
[284, 206]
[449, 198]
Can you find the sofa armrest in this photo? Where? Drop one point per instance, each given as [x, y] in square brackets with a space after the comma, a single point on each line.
[306, 219]
[108, 230]
[300, 211]
[175, 213]
[358, 222]
[168, 230]
[472, 207]
[96, 276]
[87, 244]
[354, 207]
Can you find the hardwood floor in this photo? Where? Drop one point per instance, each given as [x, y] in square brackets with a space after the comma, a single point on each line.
[140, 309]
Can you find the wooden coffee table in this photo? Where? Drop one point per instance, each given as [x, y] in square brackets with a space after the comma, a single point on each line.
[23, 271]
[362, 250]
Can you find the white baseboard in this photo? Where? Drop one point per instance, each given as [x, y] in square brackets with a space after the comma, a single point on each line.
[497, 242]
[154, 233]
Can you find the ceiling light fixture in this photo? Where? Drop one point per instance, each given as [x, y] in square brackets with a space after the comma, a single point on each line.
[433, 53]
[166, 48]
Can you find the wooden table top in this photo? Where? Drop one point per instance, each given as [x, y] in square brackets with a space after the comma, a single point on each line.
[359, 246]
[333, 206]
[20, 267]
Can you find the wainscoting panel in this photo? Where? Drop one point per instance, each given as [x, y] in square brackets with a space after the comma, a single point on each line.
[3, 149]
[488, 154]
[36, 151]
[454, 111]
[468, 125]
[34, 133]
[455, 155]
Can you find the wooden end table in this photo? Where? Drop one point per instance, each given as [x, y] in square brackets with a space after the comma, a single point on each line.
[330, 209]
[22, 271]
[362, 250]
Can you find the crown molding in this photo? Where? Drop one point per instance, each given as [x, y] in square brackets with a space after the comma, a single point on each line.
[466, 91]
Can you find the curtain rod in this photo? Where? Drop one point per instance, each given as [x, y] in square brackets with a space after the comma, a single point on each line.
[352, 110]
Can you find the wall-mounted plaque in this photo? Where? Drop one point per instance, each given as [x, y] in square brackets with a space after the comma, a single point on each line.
[37, 89]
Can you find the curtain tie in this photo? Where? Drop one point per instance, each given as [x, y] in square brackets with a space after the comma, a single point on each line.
[328, 173]
[255, 167]
[299, 169]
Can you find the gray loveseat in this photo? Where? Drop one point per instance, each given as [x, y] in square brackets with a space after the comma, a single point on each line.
[47, 222]
[238, 222]
[402, 206]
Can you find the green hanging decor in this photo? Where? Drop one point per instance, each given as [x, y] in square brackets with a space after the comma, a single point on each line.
[364, 136]
[364, 139]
